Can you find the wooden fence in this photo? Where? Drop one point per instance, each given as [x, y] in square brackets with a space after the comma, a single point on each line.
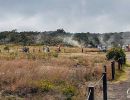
[103, 78]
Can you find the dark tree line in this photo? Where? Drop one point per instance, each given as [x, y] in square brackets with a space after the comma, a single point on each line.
[54, 38]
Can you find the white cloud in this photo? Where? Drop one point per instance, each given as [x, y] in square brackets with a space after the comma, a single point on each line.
[72, 15]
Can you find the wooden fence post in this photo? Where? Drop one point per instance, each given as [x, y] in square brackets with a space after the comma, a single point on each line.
[119, 66]
[91, 91]
[113, 69]
[104, 86]
[105, 68]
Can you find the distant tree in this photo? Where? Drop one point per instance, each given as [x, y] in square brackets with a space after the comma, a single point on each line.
[107, 36]
[82, 38]
[60, 30]
[24, 39]
[115, 54]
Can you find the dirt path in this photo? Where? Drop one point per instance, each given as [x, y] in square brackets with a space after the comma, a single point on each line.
[118, 91]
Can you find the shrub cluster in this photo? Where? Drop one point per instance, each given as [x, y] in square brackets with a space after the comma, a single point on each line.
[115, 54]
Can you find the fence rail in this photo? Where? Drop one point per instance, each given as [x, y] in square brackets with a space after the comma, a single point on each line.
[104, 81]
[91, 88]
[96, 83]
[88, 94]
[103, 78]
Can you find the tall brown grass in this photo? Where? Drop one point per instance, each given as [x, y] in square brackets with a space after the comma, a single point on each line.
[67, 69]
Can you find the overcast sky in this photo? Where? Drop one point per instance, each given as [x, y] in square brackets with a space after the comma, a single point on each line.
[71, 15]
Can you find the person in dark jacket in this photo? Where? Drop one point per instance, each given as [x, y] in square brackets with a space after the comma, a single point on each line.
[120, 63]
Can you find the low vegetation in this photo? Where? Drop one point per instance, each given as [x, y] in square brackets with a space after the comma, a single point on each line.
[58, 75]
[116, 54]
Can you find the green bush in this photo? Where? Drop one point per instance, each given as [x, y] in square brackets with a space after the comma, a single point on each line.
[69, 91]
[54, 54]
[6, 48]
[45, 86]
[115, 54]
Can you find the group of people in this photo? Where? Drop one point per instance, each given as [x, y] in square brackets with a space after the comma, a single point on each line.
[45, 49]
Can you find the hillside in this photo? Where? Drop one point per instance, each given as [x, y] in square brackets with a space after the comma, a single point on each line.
[61, 37]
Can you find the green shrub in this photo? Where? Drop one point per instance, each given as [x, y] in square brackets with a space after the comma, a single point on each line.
[6, 48]
[69, 91]
[115, 54]
[45, 86]
[55, 54]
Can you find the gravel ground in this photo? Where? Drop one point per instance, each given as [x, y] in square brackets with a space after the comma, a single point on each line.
[118, 91]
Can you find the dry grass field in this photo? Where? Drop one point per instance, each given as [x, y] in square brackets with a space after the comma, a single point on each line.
[48, 76]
